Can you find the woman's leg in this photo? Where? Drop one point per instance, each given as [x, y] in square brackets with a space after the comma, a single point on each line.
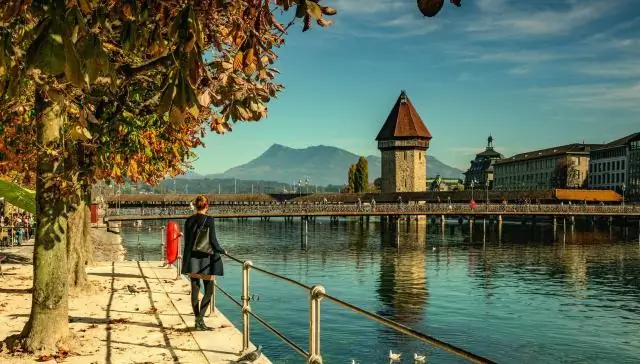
[208, 293]
[195, 292]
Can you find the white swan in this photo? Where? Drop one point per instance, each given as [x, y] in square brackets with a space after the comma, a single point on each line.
[419, 358]
[394, 356]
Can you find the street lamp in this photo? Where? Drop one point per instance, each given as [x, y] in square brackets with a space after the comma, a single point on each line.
[486, 186]
[624, 188]
[473, 183]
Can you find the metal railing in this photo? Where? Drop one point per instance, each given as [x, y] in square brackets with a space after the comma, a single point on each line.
[316, 294]
[385, 209]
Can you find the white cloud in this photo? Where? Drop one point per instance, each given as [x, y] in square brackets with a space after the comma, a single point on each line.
[505, 19]
[613, 69]
[520, 70]
[617, 96]
[368, 6]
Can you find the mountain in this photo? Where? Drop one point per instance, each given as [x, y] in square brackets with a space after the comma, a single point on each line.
[323, 165]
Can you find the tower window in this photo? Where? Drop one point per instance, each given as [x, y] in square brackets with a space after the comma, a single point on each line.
[419, 156]
[405, 155]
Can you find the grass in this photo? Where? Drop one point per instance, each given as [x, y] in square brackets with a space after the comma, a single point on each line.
[17, 196]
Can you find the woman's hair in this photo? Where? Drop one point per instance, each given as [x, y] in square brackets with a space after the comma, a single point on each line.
[201, 203]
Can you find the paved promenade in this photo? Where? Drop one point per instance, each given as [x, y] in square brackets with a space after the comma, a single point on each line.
[116, 326]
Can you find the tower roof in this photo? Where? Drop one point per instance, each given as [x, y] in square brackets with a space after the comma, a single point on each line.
[403, 122]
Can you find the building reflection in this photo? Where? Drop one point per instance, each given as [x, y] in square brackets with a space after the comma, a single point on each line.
[402, 285]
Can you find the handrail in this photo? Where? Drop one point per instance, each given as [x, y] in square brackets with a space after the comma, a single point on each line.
[316, 293]
[290, 342]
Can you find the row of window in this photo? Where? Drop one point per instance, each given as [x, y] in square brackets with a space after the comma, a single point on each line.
[611, 153]
[528, 165]
[595, 167]
[606, 178]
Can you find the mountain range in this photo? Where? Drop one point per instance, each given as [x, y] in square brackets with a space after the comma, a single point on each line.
[324, 165]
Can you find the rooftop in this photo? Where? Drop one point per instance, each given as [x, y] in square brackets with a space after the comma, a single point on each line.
[620, 142]
[403, 122]
[575, 148]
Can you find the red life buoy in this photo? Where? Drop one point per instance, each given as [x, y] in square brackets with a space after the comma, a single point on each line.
[173, 241]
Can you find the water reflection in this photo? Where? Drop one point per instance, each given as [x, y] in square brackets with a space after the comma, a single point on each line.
[513, 292]
[402, 282]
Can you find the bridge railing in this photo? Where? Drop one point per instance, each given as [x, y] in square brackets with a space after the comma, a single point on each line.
[316, 293]
[387, 208]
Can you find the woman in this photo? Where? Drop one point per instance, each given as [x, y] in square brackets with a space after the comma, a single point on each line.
[199, 265]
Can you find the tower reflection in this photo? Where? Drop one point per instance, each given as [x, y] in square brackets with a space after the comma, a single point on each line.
[402, 285]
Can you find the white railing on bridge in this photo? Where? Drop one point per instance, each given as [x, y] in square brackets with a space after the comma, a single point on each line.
[389, 209]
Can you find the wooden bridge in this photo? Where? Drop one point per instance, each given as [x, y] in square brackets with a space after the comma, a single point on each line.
[378, 209]
[553, 196]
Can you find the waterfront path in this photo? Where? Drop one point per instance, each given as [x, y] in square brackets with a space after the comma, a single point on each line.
[154, 325]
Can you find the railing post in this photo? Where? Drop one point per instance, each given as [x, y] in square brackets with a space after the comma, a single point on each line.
[164, 247]
[179, 258]
[315, 295]
[246, 306]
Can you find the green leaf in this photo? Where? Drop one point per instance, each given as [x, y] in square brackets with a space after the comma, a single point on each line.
[72, 67]
[314, 9]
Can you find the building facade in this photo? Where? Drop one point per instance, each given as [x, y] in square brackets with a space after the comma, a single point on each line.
[403, 142]
[616, 166]
[481, 171]
[565, 166]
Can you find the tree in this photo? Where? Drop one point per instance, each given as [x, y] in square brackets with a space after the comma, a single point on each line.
[361, 178]
[351, 179]
[94, 90]
[111, 90]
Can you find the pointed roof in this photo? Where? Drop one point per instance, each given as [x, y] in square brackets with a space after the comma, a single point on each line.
[403, 122]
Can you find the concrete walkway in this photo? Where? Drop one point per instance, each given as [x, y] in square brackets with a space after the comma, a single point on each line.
[116, 326]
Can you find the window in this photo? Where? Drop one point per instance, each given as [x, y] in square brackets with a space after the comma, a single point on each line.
[622, 164]
[420, 156]
[405, 158]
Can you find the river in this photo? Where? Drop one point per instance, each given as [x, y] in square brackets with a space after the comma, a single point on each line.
[519, 293]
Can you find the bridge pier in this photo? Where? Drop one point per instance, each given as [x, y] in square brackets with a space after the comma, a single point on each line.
[304, 232]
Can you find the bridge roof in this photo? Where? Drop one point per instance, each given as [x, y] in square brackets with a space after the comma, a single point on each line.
[403, 122]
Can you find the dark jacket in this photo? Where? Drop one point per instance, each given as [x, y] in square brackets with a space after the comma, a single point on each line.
[199, 262]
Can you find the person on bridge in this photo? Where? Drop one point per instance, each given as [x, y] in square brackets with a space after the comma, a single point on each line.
[200, 265]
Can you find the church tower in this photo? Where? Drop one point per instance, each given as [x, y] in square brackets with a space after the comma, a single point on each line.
[403, 142]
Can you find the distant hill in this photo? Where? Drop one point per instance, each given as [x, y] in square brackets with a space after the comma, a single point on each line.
[324, 165]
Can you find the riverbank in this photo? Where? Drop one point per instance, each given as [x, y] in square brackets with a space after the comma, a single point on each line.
[154, 325]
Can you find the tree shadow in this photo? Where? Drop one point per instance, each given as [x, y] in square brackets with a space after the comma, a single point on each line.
[16, 290]
[12, 258]
[162, 346]
[118, 275]
[167, 341]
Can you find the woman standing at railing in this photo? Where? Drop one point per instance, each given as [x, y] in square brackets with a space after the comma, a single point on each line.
[202, 258]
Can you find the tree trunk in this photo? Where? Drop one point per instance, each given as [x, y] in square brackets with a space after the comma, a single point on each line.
[79, 246]
[48, 325]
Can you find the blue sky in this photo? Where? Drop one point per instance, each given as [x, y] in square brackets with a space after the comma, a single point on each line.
[534, 73]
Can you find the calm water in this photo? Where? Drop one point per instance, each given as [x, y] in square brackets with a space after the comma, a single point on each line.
[521, 293]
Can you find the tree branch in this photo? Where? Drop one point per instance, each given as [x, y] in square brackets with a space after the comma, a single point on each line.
[130, 71]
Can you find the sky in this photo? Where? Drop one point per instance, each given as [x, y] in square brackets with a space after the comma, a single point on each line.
[533, 73]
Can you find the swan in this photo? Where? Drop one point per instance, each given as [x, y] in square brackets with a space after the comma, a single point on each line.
[419, 358]
[394, 356]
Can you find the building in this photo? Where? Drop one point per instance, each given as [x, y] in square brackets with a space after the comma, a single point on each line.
[403, 142]
[565, 166]
[616, 166]
[482, 167]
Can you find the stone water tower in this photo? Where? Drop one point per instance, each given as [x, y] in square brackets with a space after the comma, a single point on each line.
[403, 142]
